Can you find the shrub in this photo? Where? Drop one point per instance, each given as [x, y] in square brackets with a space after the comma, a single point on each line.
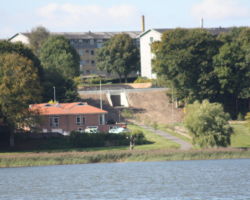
[142, 80]
[208, 124]
[247, 118]
[127, 113]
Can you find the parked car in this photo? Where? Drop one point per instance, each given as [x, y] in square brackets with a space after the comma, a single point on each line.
[91, 130]
[118, 130]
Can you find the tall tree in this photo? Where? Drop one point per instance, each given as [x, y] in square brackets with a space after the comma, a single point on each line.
[56, 53]
[185, 58]
[37, 37]
[119, 56]
[232, 67]
[19, 87]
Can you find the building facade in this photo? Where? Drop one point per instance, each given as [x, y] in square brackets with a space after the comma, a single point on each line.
[86, 44]
[66, 117]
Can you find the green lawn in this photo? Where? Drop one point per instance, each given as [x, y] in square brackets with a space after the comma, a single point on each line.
[158, 142]
[241, 136]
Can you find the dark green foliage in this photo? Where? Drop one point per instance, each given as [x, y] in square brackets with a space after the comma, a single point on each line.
[185, 57]
[103, 139]
[208, 124]
[20, 49]
[199, 65]
[66, 90]
[56, 53]
[119, 56]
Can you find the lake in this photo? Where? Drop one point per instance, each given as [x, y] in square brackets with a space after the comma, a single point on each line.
[174, 180]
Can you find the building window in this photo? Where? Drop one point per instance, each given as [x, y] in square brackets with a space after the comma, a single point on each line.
[92, 62]
[54, 122]
[101, 119]
[87, 51]
[80, 120]
[92, 52]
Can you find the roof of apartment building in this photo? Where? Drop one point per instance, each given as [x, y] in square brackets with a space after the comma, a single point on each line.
[75, 108]
[87, 35]
[214, 31]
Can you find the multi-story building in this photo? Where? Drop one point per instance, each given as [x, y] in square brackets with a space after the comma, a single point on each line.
[86, 44]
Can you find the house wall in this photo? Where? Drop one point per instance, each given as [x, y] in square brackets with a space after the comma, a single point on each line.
[20, 38]
[67, 123]
[146, 54]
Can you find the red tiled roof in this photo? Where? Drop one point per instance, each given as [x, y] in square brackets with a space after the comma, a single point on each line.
[66, 109]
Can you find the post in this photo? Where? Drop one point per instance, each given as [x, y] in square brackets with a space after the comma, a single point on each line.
[143, 23]
[54, 93]
[100, 94]
[172, 104]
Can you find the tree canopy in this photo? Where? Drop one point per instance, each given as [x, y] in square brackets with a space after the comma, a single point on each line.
[199, 65]
[208, 124]
[37, 37]
[56, 53]
[119, 56]
[19, 86]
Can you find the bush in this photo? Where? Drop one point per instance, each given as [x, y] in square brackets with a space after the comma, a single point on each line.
[78, 139]
[127, 113]
[142, 80]
[247, 118]
[208, 124]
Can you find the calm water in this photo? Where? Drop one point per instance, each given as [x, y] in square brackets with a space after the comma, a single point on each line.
[178, 180]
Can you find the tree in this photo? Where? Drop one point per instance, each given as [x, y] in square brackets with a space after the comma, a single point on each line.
[56, 53]
[66, 90]
[37, 37]
[232, 67]
[185, 58]
[19, 87]
[208, 124]
[119, 56]
[22, 50]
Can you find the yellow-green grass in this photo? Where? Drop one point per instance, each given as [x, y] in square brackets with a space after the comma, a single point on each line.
[241, 136]
[158, 142]
[63, 158]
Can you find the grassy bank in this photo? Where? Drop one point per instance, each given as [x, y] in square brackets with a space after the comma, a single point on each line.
[41, 159]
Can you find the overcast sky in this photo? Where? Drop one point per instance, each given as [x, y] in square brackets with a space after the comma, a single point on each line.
[119, 15]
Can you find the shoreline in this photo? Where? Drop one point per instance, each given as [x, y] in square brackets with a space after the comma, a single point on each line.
[28, 159]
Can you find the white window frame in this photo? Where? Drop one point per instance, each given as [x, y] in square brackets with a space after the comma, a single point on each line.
[81, 121]
[54, 124]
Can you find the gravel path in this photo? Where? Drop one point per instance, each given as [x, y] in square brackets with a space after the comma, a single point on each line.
[184, 145]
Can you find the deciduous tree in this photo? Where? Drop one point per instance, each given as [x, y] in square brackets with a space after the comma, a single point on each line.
[56, 53]
[208, 124]
[19, 87]
[119, 56]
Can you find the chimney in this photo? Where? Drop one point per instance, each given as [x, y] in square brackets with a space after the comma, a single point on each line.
[202, 23]
[143, 23]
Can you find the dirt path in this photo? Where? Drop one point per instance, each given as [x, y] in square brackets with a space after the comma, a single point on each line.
[184, 145]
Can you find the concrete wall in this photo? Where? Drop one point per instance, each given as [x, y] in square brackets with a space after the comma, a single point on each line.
[146, 54]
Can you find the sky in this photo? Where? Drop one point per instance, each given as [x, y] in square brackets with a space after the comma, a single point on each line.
[119, 15]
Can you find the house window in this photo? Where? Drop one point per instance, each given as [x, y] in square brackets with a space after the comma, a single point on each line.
[80, 120]
[101, 119]
[54, 122]
[92, 52]
[92, 62]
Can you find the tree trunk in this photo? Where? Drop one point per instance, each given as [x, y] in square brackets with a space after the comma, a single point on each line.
[12, 139]
[126, 78]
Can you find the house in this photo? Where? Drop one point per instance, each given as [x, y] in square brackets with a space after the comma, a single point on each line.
[152, 35]
[66, 117]
[86, 44]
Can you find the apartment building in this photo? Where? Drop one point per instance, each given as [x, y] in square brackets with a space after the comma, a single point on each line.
[86, 44]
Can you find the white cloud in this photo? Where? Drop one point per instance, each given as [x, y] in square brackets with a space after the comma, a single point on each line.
[86, 16]
[220, 9]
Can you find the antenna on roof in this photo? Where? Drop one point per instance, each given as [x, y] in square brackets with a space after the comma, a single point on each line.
[202, 23]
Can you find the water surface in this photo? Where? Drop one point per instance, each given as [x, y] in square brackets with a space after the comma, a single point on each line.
[175, 180]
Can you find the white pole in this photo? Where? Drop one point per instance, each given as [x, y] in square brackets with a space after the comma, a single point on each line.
[100, 94]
